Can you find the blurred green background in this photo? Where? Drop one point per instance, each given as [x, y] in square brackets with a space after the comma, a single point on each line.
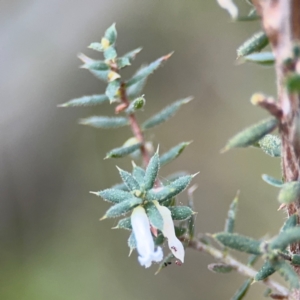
[52, 244]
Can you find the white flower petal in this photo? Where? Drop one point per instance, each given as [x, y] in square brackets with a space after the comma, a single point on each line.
[169, 232]
[230, 7]
[144, 241]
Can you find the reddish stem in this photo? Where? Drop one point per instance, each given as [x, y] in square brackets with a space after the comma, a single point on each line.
[135, 127]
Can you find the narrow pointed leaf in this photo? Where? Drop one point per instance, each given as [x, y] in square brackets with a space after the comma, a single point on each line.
[139, 174]
[175, 187]
[97, 65]
[147, 70]
[122, 151]
[271, 145]
[136, 104]
[132, 54]
[113, 195]
[86, 101]
[110, 53]
[289, 223]
[288, 273]
[111, 34]
[256, 43]
[165, 262]
[122, 62]
[120, 186]
[231, 216]
[96, 47]
[252, 134]
[102, 75]
[252, 259]
[129, 180]
[261, 58]
[165, 114]
[173, 153]
[131, 242]
[181, 212]
[124, 224]
[135, 90]
[272, 181]
[122, 208]
[289, 192]
[220, 268]
[154, 216]
[151, 172]
[238, 242]
[286, 238]
[242, 291]
[105, 122]
[265, 271]
[112, 90]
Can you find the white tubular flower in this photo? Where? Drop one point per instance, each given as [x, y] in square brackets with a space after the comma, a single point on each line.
[144, 240]
[169, 232]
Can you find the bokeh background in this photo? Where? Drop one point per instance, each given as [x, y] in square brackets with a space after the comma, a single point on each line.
[52, 244]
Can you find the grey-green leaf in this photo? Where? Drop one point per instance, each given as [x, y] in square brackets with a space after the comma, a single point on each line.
[165, 114]
[252, 134]
[289, 192]
[289, 223]
[173, 153]
[132, 54]
[220, 268]
[113, 195]
[97, 65]
[181, 212]
[120, 186]
[112, 90]
[175, 187]
[272, 181]
[111, 34]
[129, 180]
[147, 70]
[296, 259]
[256, 43]
[122, 151]
[154, 216]
[110, 53]
[122, 62]
[105, 122]
[288, 273]
[102, 75]
[131, 242]
[151, 172]
[242, 291]
[139, 174]
[165, 262]
[86, 101]
[238, 242]
[135, 90]
[265, 271]
[231, 215]
[271, 145]
[262, 58]
[96, 47]
[122, 208]
[285, 238]
[124, 224]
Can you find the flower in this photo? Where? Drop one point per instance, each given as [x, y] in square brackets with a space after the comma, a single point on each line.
[169, 232]
[144, 240]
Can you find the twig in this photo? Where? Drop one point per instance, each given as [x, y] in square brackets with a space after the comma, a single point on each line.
[136, 129]
[238, 266]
